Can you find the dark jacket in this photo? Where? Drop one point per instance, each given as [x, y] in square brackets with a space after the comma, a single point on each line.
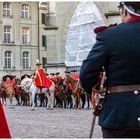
[118, 50]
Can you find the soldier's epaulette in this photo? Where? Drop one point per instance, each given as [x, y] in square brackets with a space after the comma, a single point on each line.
[101, 28]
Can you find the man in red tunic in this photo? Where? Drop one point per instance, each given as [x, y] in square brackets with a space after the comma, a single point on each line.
[40, 78]
[74, 75]
[4, 130]
[58, 76]
[10, 81]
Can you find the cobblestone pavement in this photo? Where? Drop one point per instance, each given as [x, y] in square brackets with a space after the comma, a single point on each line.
[43, 123]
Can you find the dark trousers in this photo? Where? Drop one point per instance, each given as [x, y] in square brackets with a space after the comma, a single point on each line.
[115, 133]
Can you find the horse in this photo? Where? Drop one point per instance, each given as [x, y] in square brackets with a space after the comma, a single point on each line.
[63, 94]
[7, 89]
[76, 90]
[28, 85]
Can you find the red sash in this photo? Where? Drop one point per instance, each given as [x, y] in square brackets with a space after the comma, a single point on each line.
[41, 79]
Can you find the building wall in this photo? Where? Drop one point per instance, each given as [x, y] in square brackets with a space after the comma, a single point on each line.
[16, 47]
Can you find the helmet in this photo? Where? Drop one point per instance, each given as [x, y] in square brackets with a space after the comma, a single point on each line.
[132, 7]
[57, 73]
[37, 62]
[67, 71]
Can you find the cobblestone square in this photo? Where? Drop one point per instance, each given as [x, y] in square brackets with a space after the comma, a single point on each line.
[43, 123]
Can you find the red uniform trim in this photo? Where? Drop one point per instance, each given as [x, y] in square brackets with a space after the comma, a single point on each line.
[134, 18]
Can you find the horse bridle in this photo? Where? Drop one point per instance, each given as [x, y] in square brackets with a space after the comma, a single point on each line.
[26, 88]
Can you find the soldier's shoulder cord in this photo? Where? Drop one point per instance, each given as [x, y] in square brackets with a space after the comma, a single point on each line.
[102, 28]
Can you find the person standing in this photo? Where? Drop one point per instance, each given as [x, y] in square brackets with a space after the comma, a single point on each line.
[117, 48]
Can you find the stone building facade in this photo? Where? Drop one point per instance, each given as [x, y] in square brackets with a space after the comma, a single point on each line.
[35, 30]
[18, 37]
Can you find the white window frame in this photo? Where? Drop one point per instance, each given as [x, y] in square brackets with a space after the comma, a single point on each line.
[26, 60]
[25, 35]
[7, 34]
[8, 59]
[24, 11]
[6, 9]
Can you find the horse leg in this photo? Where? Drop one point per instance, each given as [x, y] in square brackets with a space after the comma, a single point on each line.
[52, 99]
[70, 100]
[33, 99]
[17, 98]
[51, 90]
[76, 100]
[49, 100]
[11, 99]
[83, 98]
[4, 99]
[65, 100]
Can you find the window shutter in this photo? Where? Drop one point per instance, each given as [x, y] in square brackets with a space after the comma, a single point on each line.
[43, 41]
[44, 61]
[43, 18]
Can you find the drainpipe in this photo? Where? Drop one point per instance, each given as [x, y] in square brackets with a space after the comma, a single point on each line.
[38, 33]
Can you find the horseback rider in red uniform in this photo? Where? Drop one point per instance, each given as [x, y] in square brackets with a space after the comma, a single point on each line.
[40, 78]
[74, 75]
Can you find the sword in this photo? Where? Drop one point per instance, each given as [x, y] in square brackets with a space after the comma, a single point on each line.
[92, 125]
[101, 93]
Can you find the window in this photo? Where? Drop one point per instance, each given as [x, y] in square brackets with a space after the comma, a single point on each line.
[24, 11]
[6, 9]
[7, 59]
[7, 34]
[25, 35]
[25, 59]
[44, 41]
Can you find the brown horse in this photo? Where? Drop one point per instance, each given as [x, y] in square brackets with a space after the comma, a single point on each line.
[76, 90]
[8, 89]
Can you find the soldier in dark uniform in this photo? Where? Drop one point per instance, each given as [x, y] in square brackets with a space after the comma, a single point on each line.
[117, 48]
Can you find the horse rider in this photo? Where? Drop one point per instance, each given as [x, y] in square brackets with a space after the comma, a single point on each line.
[67, 73]
[52, 76]
[40, 79]
[117, 48]
[10, 81]
[74, 75]
[58, 76]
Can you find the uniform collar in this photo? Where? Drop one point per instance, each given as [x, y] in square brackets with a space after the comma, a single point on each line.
[133, 18]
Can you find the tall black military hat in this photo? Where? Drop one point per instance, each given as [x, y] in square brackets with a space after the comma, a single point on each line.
[67, 71]
[74, 70]
[132, 7]
[57, 73]
[52, 73]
